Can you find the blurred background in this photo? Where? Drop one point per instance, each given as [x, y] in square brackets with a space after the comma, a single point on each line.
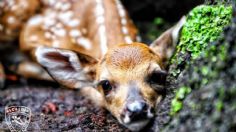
[155, 16]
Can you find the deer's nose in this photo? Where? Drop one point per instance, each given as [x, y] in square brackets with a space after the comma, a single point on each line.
[136, 107]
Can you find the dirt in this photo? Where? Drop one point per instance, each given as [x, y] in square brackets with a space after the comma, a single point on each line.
[57, 109]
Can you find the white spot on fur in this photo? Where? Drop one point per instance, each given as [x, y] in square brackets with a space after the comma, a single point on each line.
[24, 4]
[75, 33]
[73, 23]
[34, 38]
[65, 17]
[66, 6]
[84, 43]
[123, 21]
[11, 20]
[103, 39]
[124, 29]
[128, 40]
[100, 20]
[99, 14]
[59, 25]
[51, 2]
[99, 9]
[58, 5]
[50, 23]
[60, 32]
[14, 8]
[48, 35]
[36, 20]
[56, 44]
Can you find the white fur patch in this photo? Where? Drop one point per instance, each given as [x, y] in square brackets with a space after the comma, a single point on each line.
[84, 43]
[100, 19]
[36, 20]
[128, 40]
[47, 35]
[103, 39]
[34, 38]
[66, 6]
[75, 33]
[73, 23]
[11, 20]
[124, 29]
[50, 23]
[60, 32]
[65, 16]
[56, 44]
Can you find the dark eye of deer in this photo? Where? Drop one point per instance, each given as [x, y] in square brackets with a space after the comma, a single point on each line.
[157, 81]
[106, 86]
[158, 77]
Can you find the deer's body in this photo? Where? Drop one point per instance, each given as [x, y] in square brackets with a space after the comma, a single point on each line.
[90, 44]
[83, 26]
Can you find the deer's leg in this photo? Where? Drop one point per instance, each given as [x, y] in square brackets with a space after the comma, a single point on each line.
[33, 70]
[18, 63]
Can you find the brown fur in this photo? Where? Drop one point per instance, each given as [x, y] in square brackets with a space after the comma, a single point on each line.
[127, 64]
[83, 11]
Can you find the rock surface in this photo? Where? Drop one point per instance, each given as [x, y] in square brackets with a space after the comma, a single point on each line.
[210, 106]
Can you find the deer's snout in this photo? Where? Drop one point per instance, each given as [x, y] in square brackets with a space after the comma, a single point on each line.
[136, 107]
[135, 111]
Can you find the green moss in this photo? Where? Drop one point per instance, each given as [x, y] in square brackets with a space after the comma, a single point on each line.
[204, 25]
[176, 104]
[219, 103]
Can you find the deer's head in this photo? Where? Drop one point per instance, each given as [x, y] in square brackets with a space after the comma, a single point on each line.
[129, 78]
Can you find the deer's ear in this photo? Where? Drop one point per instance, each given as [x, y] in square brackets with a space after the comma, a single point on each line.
[73, 70]
[164, 45]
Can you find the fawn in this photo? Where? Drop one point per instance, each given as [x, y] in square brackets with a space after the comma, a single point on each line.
[90, 45]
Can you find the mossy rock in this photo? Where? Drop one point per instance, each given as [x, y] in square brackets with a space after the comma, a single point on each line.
[201, 88]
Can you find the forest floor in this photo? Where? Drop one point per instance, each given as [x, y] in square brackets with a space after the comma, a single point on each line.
[57, 109]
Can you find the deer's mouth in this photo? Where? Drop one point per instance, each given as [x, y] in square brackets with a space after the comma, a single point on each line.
[137, 121]
[137, 125]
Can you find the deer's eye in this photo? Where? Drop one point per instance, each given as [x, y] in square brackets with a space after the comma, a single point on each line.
[157, 80]
[106, 86]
